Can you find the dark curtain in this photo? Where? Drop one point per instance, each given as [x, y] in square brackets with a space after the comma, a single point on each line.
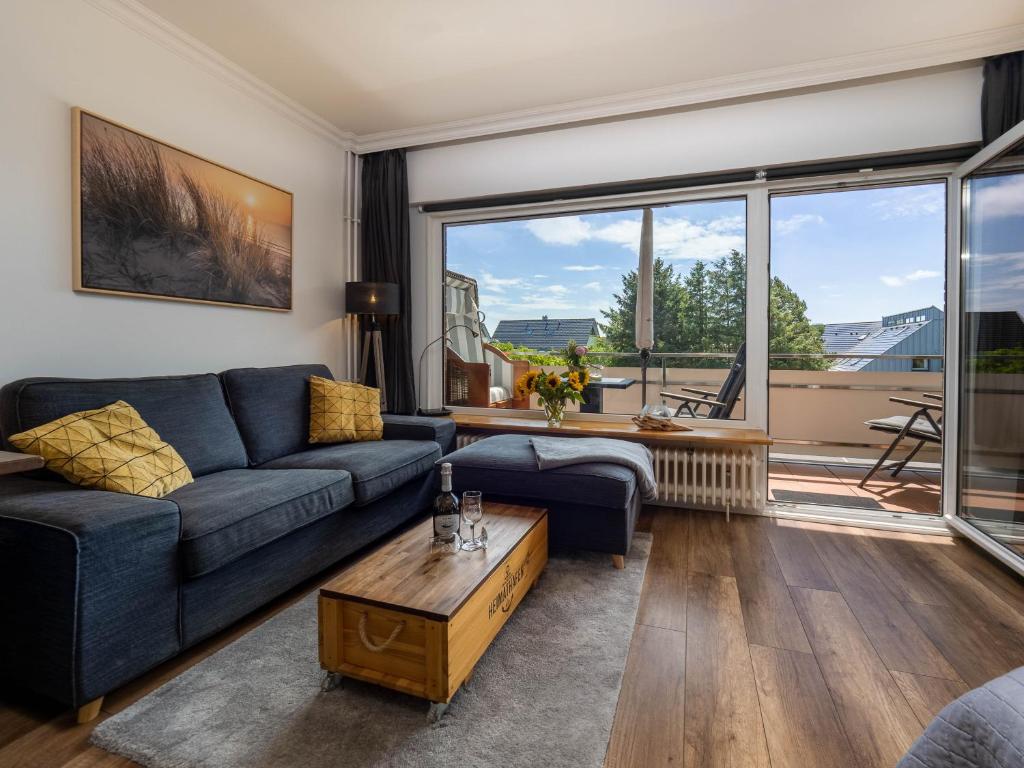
[385, 258]
[1002, 95]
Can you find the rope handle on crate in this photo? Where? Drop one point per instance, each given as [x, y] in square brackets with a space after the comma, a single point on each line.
[377, 647]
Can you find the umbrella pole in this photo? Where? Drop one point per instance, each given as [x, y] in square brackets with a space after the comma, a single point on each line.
[645, 357]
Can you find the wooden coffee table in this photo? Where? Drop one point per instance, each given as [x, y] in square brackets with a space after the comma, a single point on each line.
[417, 621]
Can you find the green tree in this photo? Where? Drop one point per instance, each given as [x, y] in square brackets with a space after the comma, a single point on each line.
[705, 311]
[696, 319]
[620, 320]
[727, 305]
[789, 330]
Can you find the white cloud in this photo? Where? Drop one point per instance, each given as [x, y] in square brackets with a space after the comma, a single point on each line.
[1001, 197]
[594, 286]
[559, 290]
[674, 238]
[561, 230]
[911, 202]
[791, 224]
[499, 284]
[540, 277]
[583, 268]
[895, 281]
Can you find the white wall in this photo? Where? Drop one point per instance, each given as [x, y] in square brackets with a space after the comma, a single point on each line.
[911, 112]
[62, 53]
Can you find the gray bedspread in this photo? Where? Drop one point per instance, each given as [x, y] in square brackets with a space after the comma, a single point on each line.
[555, 452]
[984, 728]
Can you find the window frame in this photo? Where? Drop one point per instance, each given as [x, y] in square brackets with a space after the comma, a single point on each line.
[755, 412]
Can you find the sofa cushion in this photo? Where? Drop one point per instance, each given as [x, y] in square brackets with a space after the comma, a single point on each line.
[271, 406]
[343, 412]
[377, 468]
[227, 514]
[189, 412]
[506, 466]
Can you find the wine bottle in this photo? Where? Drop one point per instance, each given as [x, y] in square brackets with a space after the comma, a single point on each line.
[446, 509]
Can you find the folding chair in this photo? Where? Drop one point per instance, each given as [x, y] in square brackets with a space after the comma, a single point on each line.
[920, 426]
[720, 404]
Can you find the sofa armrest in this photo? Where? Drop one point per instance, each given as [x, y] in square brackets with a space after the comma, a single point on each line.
[90, 596]
[440, 430]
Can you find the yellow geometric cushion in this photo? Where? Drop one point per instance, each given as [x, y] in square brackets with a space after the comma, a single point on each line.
[110, 448]
[343, 412]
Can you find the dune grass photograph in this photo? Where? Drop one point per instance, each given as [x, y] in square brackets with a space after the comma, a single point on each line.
[153, 220]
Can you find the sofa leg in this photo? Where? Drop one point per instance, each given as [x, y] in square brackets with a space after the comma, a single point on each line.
[619, 561]
[88, 712]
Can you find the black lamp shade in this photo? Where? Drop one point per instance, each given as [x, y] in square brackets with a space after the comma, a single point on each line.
[372, 298]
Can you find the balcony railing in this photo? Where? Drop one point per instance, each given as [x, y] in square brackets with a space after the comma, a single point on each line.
[811, 411]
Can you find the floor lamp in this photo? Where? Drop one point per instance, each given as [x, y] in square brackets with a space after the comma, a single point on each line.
[373, 299]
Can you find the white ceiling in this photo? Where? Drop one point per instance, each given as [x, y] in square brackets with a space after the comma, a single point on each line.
[390, 65]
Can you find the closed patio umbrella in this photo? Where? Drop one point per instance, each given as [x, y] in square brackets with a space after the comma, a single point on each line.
[645, 297]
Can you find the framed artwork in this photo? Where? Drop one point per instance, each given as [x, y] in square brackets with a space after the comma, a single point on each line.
[155, 221]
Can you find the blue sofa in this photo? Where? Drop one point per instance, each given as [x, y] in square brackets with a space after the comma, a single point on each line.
[99, 587]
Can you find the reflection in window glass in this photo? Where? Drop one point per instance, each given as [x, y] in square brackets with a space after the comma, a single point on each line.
[517, 292]
[992, 407]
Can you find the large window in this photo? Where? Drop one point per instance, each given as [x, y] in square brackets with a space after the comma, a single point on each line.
[517, 292]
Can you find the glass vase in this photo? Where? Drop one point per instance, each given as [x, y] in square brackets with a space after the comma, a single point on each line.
[555, 412]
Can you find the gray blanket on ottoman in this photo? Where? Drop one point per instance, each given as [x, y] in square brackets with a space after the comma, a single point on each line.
[553, 452]
[984, 728]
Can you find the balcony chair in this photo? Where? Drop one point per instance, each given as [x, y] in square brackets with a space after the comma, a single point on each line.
[719, 404]
[477, 374]
[920, 426]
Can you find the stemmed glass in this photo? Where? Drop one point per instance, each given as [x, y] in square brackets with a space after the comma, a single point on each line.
[473, 512]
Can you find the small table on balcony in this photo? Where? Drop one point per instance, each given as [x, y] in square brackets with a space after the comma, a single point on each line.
[593, 393]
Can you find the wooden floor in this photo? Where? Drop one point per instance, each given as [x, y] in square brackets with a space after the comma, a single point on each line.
[911, 491]
[757, 643]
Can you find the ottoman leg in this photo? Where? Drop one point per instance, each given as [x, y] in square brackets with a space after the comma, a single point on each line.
[619, 561]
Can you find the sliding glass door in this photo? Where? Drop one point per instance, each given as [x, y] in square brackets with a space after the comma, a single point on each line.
[990, 445]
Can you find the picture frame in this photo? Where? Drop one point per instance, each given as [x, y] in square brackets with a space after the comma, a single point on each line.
[152, 220]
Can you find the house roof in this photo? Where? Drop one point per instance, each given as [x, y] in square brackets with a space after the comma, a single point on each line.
[839, 337]
[546, 333]
[878, 342]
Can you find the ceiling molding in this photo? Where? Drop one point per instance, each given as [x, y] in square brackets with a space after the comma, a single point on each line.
[916, 56]
[934, 53]
[144, 21]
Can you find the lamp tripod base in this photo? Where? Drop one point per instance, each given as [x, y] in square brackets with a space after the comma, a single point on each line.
[372, 339]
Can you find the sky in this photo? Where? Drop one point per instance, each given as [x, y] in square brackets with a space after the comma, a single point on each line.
[851, 255]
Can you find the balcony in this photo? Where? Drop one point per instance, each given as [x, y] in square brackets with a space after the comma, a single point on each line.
[822, 448]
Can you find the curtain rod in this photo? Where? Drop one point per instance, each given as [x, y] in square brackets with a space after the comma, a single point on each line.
[955, 153]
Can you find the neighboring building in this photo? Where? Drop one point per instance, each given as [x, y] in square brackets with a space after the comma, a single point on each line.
[918, 332]
[547, 333]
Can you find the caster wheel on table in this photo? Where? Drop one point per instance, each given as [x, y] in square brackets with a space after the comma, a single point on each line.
[331, 681]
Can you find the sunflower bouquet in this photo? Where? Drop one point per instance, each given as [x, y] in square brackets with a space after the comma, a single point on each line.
[553, 390]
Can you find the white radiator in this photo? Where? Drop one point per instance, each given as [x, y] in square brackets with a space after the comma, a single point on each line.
[725, 478]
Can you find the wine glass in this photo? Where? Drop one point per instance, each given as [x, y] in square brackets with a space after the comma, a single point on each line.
[473, 512]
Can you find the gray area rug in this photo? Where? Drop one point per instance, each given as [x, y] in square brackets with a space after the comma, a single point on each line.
[544, 694]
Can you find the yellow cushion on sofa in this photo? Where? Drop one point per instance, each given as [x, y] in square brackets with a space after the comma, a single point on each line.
[110, 448]
[343, 412]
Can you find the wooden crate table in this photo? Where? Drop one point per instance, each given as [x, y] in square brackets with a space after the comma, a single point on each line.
[417, 621]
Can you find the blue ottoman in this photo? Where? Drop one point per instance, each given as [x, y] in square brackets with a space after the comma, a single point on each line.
[590, 506]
